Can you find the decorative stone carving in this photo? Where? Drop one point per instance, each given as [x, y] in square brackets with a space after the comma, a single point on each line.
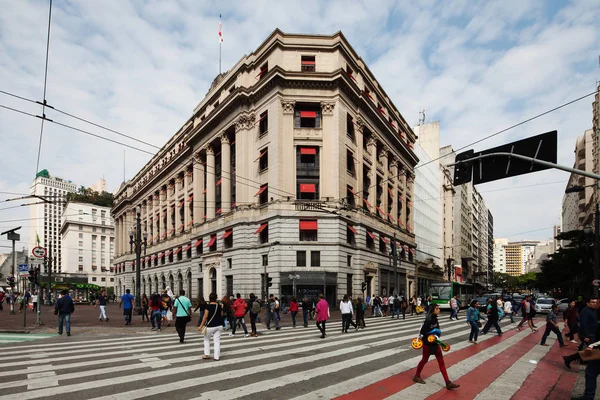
[209, 150]
[360, 123]
[245, 121]
[287, 106]
[327, 108]
[372, 142]
[394, 163]
[224, 138]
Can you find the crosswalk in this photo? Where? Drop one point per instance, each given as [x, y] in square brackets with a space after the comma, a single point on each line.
[375, 363]
[6, 338]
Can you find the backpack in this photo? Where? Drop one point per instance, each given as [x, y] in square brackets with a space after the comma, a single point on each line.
[255, 307]
[397, 303]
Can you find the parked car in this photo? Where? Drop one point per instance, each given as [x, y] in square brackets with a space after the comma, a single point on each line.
[562, 304]
[544, 304]
[482, 303]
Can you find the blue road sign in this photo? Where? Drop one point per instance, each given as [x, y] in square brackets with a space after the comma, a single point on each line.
[23, 269]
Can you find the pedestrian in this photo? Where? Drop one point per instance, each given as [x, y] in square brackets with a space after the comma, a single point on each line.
[527, 312]
[404, 306]
[101, 302]
[306, 310]
[322, 311]
[165, 308]
[254, 306]
[384, 306]
[454, 307]
[213, 320]
[145, 307]
[64, 307]
[508, 310]
[552, 326]
[571, 317]
[473, 321]
[413, 304]
[277, 308]
[361, 308]
[227, 312]
[493, 315]
[128, 303]
[182, 307]
[155, 313]
[347, 311]
[1, 300]
[396, 306]
[239, 311]
[20, 300]
[430, 325]
[293, 310]
[34, 301]
[271, 313]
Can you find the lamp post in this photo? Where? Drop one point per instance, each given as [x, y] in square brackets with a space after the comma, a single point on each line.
[449, 262]
[264, 283]
[135, 239]
[294, 277]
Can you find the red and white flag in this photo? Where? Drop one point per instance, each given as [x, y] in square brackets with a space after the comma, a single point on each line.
[220, 30]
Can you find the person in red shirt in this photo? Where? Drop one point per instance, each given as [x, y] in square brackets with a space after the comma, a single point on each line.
[155, 313]
[239, 310]
[294, 309]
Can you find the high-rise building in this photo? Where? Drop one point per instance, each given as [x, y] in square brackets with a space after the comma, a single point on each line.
[520, 257]
[500, 255]
[595, 153]
[293, 175]
[87, 242]
[46, 217]
[578, 208]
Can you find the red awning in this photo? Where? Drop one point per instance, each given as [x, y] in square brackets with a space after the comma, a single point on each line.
[261, 228]
[154, 257]
[308, 114]
[308, 62]
[169, 253]
[262, 189]
[212, 241]
[308, 188]
[177, 250]
[371, 234]
[458, 271]
[308, 225]
[369, 94]
[390, 192]
[351, 191]
[414, 251]
[308, 151]
[392, 218]
[181, 203]
[353, 229]
[227, 234]
[161, 254]
[233, 205]
[367, 201]
[385, 240]
[198, 243]
[381, 110]
[405, 247]
[189, 246]
[381, 211]
[191, 197]
[219, 182]
[218, 211]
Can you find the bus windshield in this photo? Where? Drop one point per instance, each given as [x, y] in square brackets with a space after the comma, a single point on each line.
[440, 292]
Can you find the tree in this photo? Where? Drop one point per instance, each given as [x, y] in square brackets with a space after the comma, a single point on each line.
[88, 196]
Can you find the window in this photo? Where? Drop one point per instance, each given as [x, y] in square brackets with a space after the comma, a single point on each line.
[307, 117]
[199, 247]
[265, 260]
[94, 279]
[370, 240]
[103, 279]
[94, 229]
[80, 268]
[308, 64]
[112, 279]
[80, 259]
[81, 236]
[350, 163]
[228, 239]
[263, 194]
[348, 260]
[263, 70]
[263, 232]
[212, 243]
[349, 283]
[308, 230]
[315, 258]
[382, 245]
[263, 160]
[80, 227]
[307, 191]
[263, 124]
[351, 235]
[80, 252]
[350, 127]
[350, 196]
[301, 258]
[80, 243]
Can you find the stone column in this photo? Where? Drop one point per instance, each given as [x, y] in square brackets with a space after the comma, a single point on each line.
[148, 215]
[198, 189]
[402, 183]
[163, 226]
[244, 159]
[225, 174]
[372, 146]
[384, 195]
[360, 124]
[210, 183]
[188, 204]
[169, 225]
[155, 217]
[330, 152]
[394, 181]
[177, 200]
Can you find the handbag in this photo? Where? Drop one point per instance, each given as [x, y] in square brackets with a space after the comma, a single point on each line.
[589, 354]
[189, 317]
[202, 329]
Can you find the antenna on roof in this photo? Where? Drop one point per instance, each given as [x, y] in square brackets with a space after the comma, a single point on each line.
[421, 117]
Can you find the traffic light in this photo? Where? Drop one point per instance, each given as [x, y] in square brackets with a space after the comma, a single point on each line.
[10, 281]
[363, 286]
[269, 281]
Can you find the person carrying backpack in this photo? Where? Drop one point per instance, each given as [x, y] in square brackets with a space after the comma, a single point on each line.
[272, 313]
[239, 311]
[396, 305]
[254, 306]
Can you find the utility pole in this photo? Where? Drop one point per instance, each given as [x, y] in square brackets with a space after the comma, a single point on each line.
[596, 247]
[395, 262]
[13, 237]
[49, 288]
[135, 239]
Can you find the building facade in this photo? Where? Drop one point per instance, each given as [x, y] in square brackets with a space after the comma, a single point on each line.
[46, 217]
[295, 170]
[88, 242]
[500, 255]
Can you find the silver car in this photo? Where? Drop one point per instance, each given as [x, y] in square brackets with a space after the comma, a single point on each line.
[543, 305]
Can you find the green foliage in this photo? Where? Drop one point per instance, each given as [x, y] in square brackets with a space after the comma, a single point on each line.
[89, 196]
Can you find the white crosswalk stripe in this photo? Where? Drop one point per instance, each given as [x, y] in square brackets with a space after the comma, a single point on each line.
[148, 365]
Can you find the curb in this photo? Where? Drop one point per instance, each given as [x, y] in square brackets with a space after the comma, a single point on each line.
[14, 331]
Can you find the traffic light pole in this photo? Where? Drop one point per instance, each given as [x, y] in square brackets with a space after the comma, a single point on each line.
[48, 301]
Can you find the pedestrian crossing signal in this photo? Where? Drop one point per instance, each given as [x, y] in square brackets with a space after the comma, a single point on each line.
[269, 282]
[363, 285]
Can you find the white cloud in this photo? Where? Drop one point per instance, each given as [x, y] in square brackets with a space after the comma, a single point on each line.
[141, 68]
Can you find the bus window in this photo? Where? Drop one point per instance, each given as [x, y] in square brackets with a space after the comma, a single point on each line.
[440, 292]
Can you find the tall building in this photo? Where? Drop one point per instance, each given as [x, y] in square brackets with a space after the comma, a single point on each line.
[490, 238]
[46, 217]
[595, 154]
[471, 226]
[87, 240]
[578, 208]
[500, 255]
[428, 206]
[520, 256]
[296, 170]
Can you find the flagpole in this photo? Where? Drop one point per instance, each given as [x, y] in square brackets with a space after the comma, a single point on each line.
[220, 44]
[220, 41]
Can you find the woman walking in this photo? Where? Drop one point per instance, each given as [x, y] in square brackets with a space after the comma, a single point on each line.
[254, 306]
[361, 307]
[473, 321]
[571, 316]
[347, 312]
[293, 309]
[227, 312]
[155, 313]
[213, 320]
[322, 311]
[431, 323]
[306, 310]
[145, 307]
[508, 310]
[493, 317]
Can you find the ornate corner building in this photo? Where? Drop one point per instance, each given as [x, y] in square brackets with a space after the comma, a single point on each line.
[293, 175]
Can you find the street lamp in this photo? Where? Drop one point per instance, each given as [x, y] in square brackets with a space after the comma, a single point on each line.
[135, 240]
[294, 277]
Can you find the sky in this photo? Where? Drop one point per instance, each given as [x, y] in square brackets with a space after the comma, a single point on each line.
[140, 68]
